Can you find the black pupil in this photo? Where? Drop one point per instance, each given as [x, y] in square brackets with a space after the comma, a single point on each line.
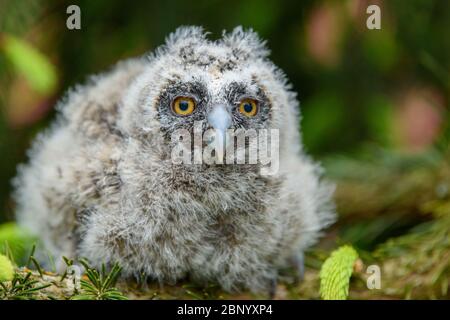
[184, 105]
[248, 107]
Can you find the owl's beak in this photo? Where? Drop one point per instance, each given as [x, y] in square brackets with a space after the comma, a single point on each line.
[219, 118]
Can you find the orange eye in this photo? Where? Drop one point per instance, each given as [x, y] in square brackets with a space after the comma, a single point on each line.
[183, 106]
[248, 107]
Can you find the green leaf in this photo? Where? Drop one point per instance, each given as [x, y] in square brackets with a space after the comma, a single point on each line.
[99, 284]
[29, 62]
[6, 269]
[336, 272]
[16, 240]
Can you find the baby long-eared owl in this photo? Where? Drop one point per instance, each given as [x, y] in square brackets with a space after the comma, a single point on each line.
[102, 182]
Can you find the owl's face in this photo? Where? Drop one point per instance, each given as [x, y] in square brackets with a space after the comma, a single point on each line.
[224, 84]
[218, 100]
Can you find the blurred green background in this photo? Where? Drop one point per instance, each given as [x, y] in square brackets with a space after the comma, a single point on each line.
[386, 89]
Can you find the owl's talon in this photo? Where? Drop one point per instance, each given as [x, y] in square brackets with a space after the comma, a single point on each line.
[273, 288]
[298, 262]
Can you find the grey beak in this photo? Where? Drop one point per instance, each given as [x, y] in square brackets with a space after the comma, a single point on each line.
[220, 119]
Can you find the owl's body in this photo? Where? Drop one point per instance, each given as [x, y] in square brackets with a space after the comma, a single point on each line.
[101, 183]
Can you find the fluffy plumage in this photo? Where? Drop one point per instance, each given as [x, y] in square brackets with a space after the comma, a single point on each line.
[100, 182]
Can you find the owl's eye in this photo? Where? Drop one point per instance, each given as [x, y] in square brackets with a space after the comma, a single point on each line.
[248, 107]
[183, 106]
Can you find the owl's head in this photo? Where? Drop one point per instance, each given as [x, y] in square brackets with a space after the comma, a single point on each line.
[228, 84]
